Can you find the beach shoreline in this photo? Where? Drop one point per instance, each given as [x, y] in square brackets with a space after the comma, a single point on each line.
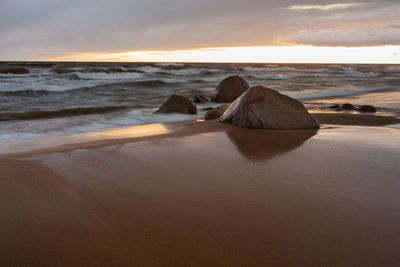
[205, 193]
[49, 144]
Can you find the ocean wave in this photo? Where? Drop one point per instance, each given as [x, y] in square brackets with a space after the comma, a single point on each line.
[153, 83]
[206, 80]
[179, 71]
[14, 70]
[192, 72]
[43, 84]
[47, 114]
[392, 68]
[336, 92]
[62, 70]
[103, 70]
[270, 77]
[168, 66]
[25, 93]
[359, 75]
[149, 69]
[107, 76]
[254, 69]
[59, 89]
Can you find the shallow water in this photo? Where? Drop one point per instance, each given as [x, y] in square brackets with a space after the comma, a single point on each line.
[59, 98]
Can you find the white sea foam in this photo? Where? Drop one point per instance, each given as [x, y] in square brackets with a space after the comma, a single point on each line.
[148, 69]
[170, 64]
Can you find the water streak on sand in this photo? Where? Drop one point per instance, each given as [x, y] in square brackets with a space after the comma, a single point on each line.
[208, 194]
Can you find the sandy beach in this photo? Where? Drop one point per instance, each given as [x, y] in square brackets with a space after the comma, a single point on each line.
[199, 133]
[206, 194]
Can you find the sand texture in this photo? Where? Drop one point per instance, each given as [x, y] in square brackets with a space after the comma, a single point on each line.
[206, 194]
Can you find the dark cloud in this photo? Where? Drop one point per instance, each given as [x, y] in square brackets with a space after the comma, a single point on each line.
[45, 28]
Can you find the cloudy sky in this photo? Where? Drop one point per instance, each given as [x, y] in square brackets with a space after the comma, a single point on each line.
[43, 29]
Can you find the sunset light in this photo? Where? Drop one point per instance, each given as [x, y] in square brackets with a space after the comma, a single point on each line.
[256, 54]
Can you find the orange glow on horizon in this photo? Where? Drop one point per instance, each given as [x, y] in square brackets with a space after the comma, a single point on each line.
[255, 54]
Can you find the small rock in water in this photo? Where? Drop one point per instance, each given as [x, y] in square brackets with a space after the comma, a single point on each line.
[335, 106]
[367, 108]
[201, 99]
[348, 106]
[230, 89]
[264, 108]
[216, 113]
[178, 104]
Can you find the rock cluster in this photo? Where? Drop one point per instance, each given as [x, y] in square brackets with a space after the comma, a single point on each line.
[348, 106]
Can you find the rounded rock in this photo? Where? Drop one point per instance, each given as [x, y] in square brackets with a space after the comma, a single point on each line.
[264, 108]
[230, 89]
[178, 104]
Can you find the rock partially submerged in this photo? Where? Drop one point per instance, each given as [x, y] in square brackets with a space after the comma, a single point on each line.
[178, 104]
[216, 113]
[336, 106]
[230, 89]
[366, 108]
[264, 108]
[201, 98]
[348, 106]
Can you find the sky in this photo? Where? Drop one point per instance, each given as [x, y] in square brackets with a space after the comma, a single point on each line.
[206, 30]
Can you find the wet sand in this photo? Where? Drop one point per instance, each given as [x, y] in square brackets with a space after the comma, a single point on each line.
[206, 194]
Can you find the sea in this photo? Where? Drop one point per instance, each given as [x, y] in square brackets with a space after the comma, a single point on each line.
[55, 98]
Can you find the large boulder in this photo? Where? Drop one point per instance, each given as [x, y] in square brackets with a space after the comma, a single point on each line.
[216, 113]
[178, 104]
[264, 108]
[230, 89]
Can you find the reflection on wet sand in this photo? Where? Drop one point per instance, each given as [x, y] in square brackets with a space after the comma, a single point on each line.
[261, 145]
